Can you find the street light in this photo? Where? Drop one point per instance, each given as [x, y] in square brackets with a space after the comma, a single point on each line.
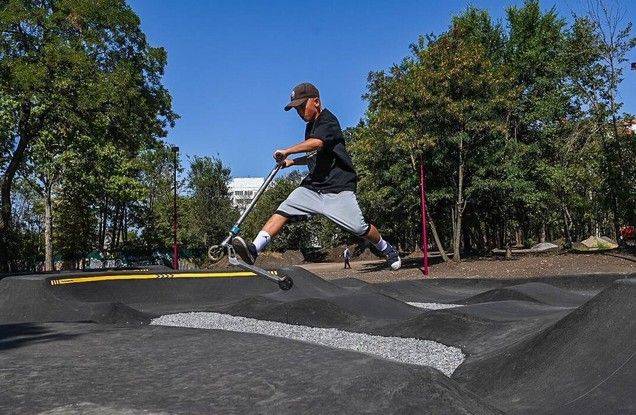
[175, 244]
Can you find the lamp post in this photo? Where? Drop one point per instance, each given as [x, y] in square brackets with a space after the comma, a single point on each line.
[175, 244]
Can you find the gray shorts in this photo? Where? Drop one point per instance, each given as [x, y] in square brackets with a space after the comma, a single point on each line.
[342, 208]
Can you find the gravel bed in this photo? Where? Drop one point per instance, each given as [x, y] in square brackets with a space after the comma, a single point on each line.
[434, 306]
[88, 408]
[404, 350]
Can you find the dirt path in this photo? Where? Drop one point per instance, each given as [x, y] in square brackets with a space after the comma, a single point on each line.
[522, 267]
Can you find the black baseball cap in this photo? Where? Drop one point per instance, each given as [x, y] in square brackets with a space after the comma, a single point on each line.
[300, 94]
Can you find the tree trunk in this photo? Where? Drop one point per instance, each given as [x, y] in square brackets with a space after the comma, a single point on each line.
[102, 235]
[48, 228]
[5, 222]
[440, 248]
[459, 205]
[120, 225]
[125, 225]
[100, 227]
[615, 165]
[6, 183]
[542, 235]
[113, 229]
[485, 245]
[567, 227]
[507, 240]
[467, 246]
[518, 238]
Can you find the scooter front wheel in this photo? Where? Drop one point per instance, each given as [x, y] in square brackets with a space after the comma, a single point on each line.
[216, 253]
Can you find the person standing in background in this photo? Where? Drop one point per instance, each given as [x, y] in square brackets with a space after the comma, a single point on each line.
[347, 257]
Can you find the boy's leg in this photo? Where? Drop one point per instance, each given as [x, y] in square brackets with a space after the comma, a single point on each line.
[392, 256]
[301, 202]
[274, 224]
[250, 250]
[374, 235]
[343, 209]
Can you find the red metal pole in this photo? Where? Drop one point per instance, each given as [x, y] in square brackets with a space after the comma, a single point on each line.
[175, 244]
[423, 204]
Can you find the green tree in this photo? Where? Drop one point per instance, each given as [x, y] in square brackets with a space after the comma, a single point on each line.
[152, 213]
[208, 212]
[507, 122]
[615, 41]
[27, 227]
[447, 103]
[89, 61]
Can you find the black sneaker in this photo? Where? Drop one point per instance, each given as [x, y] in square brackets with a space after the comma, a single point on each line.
[246, 250]
[392, 257]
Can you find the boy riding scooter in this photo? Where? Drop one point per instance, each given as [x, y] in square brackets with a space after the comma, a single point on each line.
[329, 188]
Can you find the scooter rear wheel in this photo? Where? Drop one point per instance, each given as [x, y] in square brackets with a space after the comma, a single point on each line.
[216, 253]
[286, 283]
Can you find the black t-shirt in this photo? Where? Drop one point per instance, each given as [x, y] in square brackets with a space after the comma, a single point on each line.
[330, 168]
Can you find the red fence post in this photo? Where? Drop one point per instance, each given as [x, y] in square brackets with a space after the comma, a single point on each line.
[423, 204]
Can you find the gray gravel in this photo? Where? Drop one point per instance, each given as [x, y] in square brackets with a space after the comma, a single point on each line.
[434, 306]
[404, 350]
[88, 408]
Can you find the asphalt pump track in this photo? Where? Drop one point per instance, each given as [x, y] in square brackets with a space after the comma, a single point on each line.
[84, 343]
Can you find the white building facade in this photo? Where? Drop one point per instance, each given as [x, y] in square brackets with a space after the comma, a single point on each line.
[243, 189]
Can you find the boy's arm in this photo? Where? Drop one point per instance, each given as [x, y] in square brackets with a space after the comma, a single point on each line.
[300, 161]
[305, 146]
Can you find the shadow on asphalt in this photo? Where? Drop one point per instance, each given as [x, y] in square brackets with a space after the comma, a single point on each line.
[407, 263]
[13, 336]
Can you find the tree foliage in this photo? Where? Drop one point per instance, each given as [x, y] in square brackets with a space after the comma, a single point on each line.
[208, 213]
[518, 123]
[508, 119]
[77, 80]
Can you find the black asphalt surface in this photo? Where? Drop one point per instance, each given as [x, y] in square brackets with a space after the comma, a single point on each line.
[189, 371]
[552, 345]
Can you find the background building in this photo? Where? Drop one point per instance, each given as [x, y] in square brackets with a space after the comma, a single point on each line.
[243, 190]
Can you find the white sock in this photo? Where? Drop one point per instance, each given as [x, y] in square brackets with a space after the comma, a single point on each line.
[261, 241]
[381, 245]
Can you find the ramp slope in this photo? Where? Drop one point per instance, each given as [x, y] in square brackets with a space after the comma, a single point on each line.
[535, 292]
[452, 290]
[474, 330]
[564, 368]
[31, 299]
[319, 303]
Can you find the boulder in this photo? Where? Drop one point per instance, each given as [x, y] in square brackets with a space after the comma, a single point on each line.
[545, 247]
[595, 243]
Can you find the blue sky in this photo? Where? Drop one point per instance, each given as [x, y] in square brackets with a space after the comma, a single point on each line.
[232, 64]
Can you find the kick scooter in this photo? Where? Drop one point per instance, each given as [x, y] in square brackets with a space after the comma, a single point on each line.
[217, 252]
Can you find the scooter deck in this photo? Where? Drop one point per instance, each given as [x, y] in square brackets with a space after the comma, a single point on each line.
[284, 283]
